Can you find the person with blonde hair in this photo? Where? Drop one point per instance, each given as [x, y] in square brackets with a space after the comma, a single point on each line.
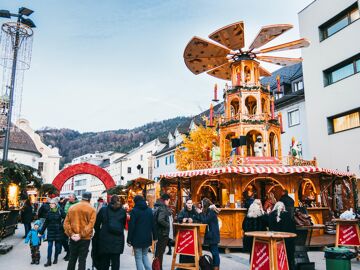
[280, 220]
[269, 202]
[256, 220]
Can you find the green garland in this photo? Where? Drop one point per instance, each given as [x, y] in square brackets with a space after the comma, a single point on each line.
[247, 88]
[48, 189]
[253, 122]
[274, 121]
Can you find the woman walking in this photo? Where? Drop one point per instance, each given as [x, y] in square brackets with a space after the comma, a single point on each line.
[141, 232]
[281, 221]
[53, 224]
[256, 220]
[109, 233]
[26, 216]
[212, 235]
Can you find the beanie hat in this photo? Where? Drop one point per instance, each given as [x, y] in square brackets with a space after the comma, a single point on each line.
[86, 196]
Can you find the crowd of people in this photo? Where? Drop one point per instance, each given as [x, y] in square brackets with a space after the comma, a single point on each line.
[73, 225]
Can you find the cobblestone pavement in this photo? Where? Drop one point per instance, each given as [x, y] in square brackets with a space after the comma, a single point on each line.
[19, 258]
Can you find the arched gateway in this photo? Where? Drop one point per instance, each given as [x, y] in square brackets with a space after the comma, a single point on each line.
[83, 168]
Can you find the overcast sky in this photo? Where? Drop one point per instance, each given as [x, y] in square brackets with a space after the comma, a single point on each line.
[110, 64]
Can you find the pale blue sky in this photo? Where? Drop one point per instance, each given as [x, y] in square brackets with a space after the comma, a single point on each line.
[110, 64]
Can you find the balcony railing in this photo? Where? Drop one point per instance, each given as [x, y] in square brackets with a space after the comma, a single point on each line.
[245, 118]
[252, 161]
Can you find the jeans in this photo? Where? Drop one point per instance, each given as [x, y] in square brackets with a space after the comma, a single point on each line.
[215, 254]
[160, 248]
[27, 227]
[79, 250]
[50, 248]
[105, 261]
[141, 259]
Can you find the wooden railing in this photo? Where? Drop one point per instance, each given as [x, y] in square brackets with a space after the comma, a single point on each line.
[241, 161]
[241, 117]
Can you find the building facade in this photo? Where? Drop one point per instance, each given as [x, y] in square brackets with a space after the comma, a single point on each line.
[331, 69]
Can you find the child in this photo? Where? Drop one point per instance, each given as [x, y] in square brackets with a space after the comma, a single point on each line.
[35, 242]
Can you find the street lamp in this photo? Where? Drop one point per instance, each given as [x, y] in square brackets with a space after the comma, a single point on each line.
[18, 33]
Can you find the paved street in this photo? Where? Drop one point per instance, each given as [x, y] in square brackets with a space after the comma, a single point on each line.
[19, 258]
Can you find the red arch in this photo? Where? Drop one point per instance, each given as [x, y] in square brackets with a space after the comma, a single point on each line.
[83, 168]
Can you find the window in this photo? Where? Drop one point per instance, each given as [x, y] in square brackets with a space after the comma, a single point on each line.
[342, 70]
[166, 160]
[129, 170]
[141, 170]
[339, 22]
[297, 86]
[41, 166]
[294, 117]
[344, 121]
[157, 163]
[172, 159]
[141, 157]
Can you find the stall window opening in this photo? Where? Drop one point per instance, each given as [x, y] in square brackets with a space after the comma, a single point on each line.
[340, 21]
[344, 121]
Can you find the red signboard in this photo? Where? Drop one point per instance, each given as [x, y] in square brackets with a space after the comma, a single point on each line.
[260, 258]
[261, 160]
[281, 257]
[348, 235]
[186, 242]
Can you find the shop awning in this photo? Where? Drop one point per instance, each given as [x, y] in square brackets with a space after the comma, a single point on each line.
[255, 170]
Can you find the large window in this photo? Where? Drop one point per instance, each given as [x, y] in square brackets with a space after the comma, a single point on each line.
[345, 121]
[342, 70]
[294, 117]
[340, 21]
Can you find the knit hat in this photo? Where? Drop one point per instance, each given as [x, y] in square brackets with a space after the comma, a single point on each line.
[86, 196]
[38, 223]
[54, 201]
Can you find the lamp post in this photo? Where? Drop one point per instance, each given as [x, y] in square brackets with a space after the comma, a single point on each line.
[18, 33]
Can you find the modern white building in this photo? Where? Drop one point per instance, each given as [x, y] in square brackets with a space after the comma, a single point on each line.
[331, 70]
[137, 163]
[291, 103]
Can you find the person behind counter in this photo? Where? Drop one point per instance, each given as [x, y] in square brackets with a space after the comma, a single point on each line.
[255, 220]
[280, 220]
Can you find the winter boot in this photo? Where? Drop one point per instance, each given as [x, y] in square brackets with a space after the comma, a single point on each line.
[55, 260]
[48, 263]
[67, 256]
[37, 262]
[32, 261]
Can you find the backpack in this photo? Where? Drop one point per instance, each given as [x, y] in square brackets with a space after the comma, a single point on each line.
[206, 262]
[114, 225]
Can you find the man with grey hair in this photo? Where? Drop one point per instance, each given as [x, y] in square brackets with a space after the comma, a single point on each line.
[79, 225]
[72, 200]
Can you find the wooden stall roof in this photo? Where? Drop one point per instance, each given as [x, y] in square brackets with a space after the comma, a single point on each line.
[141, 180]
[255, 170]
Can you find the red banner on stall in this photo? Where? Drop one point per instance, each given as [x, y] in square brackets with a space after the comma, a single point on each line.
[281, 257]
[260, 259]
[348, 235]
[261, 160]
[186, 242]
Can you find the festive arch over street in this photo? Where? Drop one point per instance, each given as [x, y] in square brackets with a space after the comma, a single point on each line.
[83, 168]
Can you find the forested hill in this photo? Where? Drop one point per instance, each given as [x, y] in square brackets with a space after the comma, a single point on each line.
[72, 143]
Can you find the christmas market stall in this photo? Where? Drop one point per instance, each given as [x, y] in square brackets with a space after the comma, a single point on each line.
[141, 186]
[237, 156]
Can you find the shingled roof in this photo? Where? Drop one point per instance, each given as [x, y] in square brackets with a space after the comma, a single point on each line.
[287, 75]
[20, 141]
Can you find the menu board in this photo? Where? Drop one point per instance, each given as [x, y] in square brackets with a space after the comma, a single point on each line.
[260, 259]
[348, 235]
[281, 257]
[185, 242]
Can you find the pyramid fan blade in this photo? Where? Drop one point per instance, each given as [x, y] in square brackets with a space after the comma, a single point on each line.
[296, 44]
[268, 33]
[231, 36]
[282, 61]
[201, 55]
[222, 72]
[264, 72]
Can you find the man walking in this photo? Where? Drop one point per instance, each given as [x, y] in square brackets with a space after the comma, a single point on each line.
[164, 228]
[79, 224]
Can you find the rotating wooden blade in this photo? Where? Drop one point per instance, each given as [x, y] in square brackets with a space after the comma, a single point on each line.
[222, 72]
[268, 33]
[231, 36]
[282, 61]
[201, 55]
[296, 44]
[264, 72]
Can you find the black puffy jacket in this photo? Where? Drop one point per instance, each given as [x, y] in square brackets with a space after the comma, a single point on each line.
[54, 225]
[251, 224]
[162, 214]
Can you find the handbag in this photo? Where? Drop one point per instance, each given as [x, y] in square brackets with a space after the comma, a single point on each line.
[302, 219]
[206, 262]
[156, 264]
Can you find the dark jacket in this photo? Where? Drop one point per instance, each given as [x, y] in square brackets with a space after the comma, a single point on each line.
[141, 226]
[26, 214]
[54, 225]
[185, 213]
[212, 233]
[289, 204]
[286, 224]
[43, 210]
[161, 214]
[251, 224]
[108, 241]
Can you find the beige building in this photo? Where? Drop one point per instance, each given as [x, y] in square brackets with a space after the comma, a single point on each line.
[331, 70]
